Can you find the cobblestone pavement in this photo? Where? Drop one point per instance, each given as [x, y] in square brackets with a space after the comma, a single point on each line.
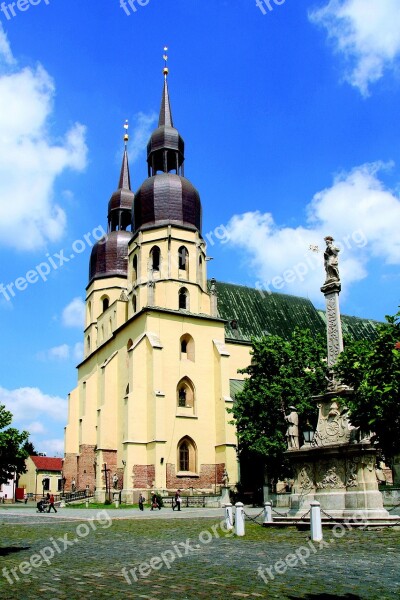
[168, 555]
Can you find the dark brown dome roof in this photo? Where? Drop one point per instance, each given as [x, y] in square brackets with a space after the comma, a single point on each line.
[109, 256]
[165, 199]
[165, 138]
[121, 199]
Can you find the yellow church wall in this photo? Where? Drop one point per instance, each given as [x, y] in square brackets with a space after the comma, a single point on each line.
[240, 358]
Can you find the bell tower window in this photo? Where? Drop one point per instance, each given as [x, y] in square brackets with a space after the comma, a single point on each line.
[183, 259]
[183, 299]
[155, 256]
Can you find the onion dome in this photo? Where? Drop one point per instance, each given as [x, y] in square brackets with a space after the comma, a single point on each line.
[166, 197]
[109, 255]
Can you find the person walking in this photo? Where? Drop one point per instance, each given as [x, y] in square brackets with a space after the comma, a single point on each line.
[141, 501]
[51, 503]
[177, 500]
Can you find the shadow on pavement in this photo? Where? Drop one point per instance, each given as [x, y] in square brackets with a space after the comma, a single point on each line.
[12, 550]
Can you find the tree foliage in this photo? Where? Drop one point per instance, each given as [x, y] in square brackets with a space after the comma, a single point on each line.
[12, 453]
[373, 370]
[282, 373]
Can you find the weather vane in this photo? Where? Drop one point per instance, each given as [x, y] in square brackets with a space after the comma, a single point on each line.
[165, 57]
[126, 127]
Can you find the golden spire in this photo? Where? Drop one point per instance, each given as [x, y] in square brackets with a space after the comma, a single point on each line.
[126, 136]
[165, 57]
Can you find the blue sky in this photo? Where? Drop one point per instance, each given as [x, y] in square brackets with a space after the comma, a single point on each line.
[289, 112]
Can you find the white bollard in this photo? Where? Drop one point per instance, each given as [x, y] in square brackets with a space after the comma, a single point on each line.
[87, 502]
[117, 503]
[228, 517]
[239, 519]
[315, 522]
[268, 512]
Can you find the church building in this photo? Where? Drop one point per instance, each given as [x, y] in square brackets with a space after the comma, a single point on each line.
[162, 343]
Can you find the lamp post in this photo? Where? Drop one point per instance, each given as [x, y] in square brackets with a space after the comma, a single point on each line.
[308, 433]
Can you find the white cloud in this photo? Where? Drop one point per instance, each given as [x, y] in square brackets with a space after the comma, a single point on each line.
[27, 404]
[144, 124]
[59, 352]
[5, 50]
[73, 315]
[36, 427]
[52, 447]
[30, 161]
[78, 351]
[366, 33]
[357, 210]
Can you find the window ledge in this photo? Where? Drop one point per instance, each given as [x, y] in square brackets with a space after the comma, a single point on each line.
[186, 474]
[183, 416]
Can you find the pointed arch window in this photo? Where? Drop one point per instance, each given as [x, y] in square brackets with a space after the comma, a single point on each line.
[187, 456]
[155, 258]
[185, 394]
[134, 268]
[200, 271]
[183, 259]
[105, 303]
[183, 299]
[187, 347]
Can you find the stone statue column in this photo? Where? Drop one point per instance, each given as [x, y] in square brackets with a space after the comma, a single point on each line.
[331, 290]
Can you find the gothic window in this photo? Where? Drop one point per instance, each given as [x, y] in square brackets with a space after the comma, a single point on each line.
[187, 455]
[183, 299]
[155, 256]
[183, 259]
[185, 393]
[200, 271]
[134, 267]
[106, 302]
[187, 347]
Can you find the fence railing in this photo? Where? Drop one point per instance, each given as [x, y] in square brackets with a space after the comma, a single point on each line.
[189, 501]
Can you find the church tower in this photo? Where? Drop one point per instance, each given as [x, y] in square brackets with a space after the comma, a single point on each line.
[150, 408]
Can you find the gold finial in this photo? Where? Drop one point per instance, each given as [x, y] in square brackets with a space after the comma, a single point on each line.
[165, 57]
[126, 127]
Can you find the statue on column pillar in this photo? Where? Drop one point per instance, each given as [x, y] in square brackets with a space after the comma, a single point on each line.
[331, 261]
[292, 432]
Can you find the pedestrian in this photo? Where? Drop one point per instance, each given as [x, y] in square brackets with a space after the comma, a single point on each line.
[154, 502]
[25, 498]
[177, 500]
[50, 500]
[141, 501]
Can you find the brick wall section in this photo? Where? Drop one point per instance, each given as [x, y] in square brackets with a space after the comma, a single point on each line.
[143, 476]
[209, 475]
[70, 470]
[109, 457]
[86, 475]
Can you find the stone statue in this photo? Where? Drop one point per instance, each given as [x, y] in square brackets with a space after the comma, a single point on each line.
[115, 481]
[225, 478]
[331, 260]
[292, 432]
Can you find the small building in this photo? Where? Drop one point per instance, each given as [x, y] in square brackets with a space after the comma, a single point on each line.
[43, 475]
[7, 491]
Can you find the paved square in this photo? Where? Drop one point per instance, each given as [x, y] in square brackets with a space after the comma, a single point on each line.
[175, 557]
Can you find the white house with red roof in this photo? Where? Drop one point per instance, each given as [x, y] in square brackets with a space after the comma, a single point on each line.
[43, 475]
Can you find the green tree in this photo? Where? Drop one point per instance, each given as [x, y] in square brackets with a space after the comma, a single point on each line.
[372, 369]
[12, 453]
[282, 373]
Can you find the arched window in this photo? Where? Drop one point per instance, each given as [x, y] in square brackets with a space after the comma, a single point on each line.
[155, 256]
[187, 347]
[183, 299]
[183, 259]
[89, 311]
[134, 268]
[106, 302]
[200, 272]
[185, 393]
[187, 455]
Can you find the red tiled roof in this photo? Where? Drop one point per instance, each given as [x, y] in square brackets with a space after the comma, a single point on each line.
[46, 463]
